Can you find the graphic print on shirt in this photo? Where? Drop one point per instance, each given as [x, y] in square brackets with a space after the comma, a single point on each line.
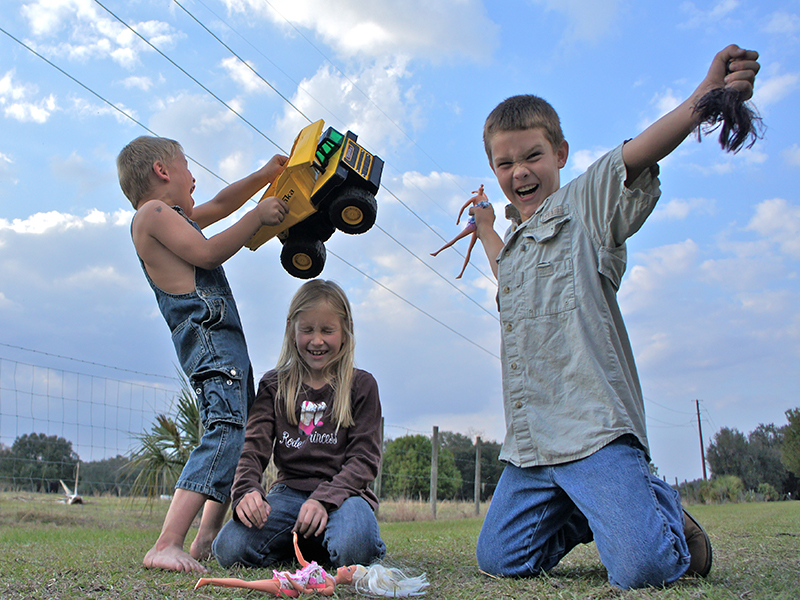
[311, 416]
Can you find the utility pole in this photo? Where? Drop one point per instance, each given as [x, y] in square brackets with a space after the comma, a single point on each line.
[702, 449]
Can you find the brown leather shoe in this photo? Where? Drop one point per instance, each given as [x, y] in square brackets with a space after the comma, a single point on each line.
[699, 546]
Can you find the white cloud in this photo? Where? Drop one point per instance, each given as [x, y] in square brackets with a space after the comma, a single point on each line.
[791, 155]
[779, 222]
[663, 102]
[92, 34]
[384, 28]
[782, 23]
[232, 166]
[701, 18]
[244, 75]
[580, 160]
[372, 101]
[588, 20]
[774, 88]
[84, 108]
[655, 270]
[40, 223]
[122, 217]
[18, 102]
[679, 209]
[142, 83]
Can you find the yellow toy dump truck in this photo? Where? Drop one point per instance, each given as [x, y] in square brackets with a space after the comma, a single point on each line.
[329, 183]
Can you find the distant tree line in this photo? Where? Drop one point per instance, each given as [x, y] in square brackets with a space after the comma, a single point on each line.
[36, 462]
[762, 465]
[406, 467]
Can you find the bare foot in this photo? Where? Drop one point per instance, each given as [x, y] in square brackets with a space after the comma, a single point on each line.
[172, 558]
[201, 548]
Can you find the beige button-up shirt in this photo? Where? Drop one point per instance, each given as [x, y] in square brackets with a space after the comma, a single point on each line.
[570, 384]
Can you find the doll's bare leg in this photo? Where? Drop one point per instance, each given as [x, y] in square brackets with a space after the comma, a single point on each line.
[467, 230]
[469, 252]
[211, 522]
[167, 552]
[262, 585]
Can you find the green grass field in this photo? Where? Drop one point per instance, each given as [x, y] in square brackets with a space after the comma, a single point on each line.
[93, 551]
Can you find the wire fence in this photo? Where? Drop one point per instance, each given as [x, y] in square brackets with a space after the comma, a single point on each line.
[56, 424]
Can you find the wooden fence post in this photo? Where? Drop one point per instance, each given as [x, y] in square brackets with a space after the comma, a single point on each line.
[378, 484]
[434, 468]
[477, 475]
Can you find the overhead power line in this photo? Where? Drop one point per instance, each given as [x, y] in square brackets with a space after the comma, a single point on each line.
[196, 81]
[182, 70]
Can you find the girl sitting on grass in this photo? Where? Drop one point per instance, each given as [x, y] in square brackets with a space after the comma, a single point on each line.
[318, 418]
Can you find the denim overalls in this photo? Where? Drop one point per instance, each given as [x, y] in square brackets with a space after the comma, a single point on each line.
[208, 337]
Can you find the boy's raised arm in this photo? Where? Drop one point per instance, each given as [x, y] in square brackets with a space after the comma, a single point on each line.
[233, 197]
[732, 67]
[159, 222]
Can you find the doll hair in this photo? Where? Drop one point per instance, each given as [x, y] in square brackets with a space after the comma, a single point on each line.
[291, 368]
[379, 581]
[135, 163]
[724, 108]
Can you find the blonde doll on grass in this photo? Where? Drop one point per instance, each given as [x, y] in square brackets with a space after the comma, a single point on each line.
[375, 580]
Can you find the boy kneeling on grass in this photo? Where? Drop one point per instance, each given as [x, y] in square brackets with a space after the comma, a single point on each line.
[576, 444]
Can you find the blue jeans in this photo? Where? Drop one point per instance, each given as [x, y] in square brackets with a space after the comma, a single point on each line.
[538, 514]
[351, 536]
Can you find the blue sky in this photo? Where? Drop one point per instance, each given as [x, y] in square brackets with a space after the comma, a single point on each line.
[711, 292]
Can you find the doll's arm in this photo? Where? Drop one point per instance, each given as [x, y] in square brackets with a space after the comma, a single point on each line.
[477, 197]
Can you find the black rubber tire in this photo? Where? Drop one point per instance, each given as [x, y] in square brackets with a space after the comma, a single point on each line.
[353, 211]
[303, 257]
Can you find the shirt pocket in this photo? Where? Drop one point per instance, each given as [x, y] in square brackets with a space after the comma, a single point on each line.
[549, 278]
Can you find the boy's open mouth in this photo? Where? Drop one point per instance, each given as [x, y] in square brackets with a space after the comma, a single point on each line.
[527, 191]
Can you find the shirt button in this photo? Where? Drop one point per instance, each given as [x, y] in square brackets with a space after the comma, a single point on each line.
[506, 289]
[513, 366]
[508, 327]
[518, 404]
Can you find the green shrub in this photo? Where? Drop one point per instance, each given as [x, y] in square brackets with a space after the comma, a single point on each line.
[768, 492]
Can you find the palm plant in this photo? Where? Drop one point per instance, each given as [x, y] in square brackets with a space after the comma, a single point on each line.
[164, 450]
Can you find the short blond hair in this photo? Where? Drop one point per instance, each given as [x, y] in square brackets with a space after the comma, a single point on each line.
[135, 164]
[522, 112]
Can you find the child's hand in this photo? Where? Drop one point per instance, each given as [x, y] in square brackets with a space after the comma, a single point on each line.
[253, 510]
[272, 210]
[274, 167]
[312, 519]
[734, 67]
[484, 217]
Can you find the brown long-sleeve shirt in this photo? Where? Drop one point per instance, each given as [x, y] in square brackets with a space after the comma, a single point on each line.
[313, 456]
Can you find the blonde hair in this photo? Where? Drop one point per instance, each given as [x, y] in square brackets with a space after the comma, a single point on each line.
[291, 368]
[523, 112]
[135, 164]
